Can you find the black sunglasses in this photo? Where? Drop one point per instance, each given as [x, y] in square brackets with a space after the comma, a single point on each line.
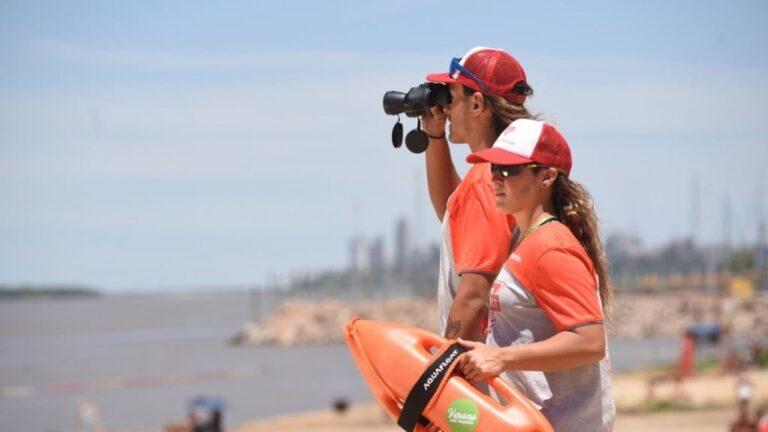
[507, 171]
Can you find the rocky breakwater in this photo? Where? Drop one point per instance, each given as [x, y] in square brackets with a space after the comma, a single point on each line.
[663, 315]
[322, 322]
[669, 315]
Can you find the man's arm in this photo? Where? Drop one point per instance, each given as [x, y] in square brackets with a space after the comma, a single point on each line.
[442, 178]
[468, 308]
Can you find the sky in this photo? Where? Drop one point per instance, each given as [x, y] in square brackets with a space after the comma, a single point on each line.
[183, 144]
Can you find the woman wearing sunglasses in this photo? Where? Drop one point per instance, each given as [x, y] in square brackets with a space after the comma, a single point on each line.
[545, 332]
[488, 89]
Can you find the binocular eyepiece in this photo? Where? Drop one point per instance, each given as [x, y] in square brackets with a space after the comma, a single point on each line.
[415, 103]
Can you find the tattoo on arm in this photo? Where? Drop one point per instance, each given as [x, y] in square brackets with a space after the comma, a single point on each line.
[452, 328]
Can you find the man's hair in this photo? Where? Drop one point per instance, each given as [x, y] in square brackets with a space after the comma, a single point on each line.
[505, 112]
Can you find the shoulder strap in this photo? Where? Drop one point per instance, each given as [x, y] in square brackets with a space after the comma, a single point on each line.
[427, 385]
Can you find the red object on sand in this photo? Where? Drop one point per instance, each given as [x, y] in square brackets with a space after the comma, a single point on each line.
[687, 355]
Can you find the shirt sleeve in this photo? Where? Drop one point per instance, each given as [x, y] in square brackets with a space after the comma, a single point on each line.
[566, 289]
[480, 234]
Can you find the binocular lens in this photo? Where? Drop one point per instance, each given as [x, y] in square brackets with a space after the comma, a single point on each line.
[417, 101]
[394, 102]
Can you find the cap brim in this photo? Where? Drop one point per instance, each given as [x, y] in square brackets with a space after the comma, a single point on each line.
[497, 156]
[445, 78]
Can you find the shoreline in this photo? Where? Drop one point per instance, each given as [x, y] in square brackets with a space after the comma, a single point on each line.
[702, 403]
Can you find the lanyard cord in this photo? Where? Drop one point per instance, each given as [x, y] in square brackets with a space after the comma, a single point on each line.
[538, 224]
[517, 240]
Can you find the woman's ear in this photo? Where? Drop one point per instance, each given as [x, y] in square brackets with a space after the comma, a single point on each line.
[548, 177]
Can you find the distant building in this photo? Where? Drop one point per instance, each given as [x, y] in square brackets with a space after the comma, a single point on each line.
[377, 255]
[402, 243]
[761, 256]
[358, 255]
[623, 245]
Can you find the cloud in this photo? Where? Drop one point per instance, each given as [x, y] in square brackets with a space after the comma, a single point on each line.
[583, 92]
[342, 63]
[253, 129]
[629, 95]
[298, 144]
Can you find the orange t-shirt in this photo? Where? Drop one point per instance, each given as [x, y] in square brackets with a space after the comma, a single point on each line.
[476, 236]
[551, 265]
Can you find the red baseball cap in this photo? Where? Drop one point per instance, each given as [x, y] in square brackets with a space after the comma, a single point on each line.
[495, 70]
[528, 141]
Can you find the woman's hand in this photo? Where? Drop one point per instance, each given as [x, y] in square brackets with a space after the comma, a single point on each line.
[482, 361]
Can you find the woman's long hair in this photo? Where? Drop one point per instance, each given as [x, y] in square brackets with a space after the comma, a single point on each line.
[573, 207]
[573, 204]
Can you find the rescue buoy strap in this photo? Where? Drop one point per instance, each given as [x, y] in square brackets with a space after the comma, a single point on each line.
[425, 388]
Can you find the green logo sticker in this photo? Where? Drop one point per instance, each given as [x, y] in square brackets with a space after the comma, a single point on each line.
[462, 415]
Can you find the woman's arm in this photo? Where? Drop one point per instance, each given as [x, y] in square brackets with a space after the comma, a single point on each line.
[566, 350]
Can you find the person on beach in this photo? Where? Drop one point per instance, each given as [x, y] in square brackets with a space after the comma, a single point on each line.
[546, 330]
[746, 420]
[488, 89]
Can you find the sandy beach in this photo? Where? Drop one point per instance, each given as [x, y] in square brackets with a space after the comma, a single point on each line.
[705, 403]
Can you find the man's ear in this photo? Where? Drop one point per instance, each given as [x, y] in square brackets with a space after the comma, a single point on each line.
[478, 102]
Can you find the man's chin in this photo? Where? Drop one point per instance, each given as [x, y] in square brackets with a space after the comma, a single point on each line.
[456, 139]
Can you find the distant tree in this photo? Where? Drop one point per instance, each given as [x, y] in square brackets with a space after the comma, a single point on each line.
[741, 260]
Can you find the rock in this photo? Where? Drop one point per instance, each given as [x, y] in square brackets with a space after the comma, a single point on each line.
[665, 315]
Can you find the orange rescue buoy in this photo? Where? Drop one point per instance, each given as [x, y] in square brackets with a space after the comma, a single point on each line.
[393, 359]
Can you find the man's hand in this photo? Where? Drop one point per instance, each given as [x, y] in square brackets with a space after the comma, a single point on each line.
[433, 123]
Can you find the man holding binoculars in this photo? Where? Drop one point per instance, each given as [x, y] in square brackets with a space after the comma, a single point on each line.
[487, 92]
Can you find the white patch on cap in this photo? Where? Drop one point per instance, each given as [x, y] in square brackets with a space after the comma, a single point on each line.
[520, 137]
[474, 50]
[469, 53]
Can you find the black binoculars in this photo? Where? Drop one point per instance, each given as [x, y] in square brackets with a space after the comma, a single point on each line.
[418, 100]
[415, 103]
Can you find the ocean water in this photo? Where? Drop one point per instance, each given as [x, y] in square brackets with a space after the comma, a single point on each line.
[141, 358]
